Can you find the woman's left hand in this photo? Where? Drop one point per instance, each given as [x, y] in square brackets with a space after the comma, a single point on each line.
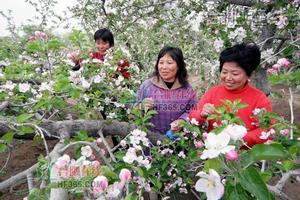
[175, 125]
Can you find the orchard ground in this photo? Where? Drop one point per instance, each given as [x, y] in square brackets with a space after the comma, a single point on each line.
[25, 152]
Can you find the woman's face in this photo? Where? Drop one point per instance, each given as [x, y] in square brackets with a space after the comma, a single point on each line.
[233, 77]
[102, 46]
[167, 68]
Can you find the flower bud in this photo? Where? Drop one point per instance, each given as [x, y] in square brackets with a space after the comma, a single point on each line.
[231, 155]
[125, 175]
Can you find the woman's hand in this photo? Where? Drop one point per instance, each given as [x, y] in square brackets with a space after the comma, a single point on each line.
[207, 109]
[175, 125]
[148, 103]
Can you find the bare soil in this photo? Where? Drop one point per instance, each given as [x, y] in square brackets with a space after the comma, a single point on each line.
[26, 152]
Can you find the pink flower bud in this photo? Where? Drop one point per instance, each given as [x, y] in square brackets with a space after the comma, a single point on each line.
[231, 155]
[123, 143]
[100, 184]
[204, 135]
[285, 132]
[199, 145]
[125, 175]
[276, 66]
[158, 142]
[95, 163]
[283, 62]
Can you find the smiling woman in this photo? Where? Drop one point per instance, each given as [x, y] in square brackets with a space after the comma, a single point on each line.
[236, 66]
[168, 91]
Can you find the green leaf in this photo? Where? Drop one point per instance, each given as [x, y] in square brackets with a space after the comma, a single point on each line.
[8, 137]
[23, 117]
[3, 148]
[157, 184]
[273, 151]
[212, 164]
[108, 172]
[131, 196]
[252, 182]
[37, 139]
[26, 129]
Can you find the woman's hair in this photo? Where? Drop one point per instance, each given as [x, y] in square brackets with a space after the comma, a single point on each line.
[105, 35]
[247, 56]
[176, 54]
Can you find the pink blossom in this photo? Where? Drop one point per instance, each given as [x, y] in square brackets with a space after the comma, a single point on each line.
[63, 161]
[204, 135]
[231, 155]
[158, 142]
[125, 175]
[276, 67]
[73, 54]
[285, 132]
[123, 143]
[199, 145]
[272, 71]
[100, 184]
[283, 62]
[40, 34]
[95, 163]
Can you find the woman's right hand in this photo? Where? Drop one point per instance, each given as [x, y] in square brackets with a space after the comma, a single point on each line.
[148, 103]
[207, 109]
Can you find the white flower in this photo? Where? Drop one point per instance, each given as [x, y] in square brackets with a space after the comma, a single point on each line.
[194, 122]
[85, 84]
[264, 135]
[210, 184]
[123, 143]
[46, 86]
[119, 80]
[112, 115]
[97, 79]
[95, 60]
[181, 155]
[215, 145]
[282, 22]
[236, 132]
[130, 156]
[9, 85]
[218, 44]
[86, 151]
[24, 87]
[256, 111]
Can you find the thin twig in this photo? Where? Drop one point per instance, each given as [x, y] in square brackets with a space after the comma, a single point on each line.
[7, 159]
[292, 112]
[107, 146]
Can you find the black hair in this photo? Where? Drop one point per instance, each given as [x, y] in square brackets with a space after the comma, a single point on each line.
[176, 54]
[105, 35]
[247, 56]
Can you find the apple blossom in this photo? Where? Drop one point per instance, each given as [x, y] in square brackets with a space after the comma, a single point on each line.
[125, 175]
[86, 151]
[24, 87]
[100, 184]
[215, 145]
[283, 62]
[198, 144]
[194, 122]
[210, 184]
[236, 132]
[63, 161]
[231, 155]
[285, 132]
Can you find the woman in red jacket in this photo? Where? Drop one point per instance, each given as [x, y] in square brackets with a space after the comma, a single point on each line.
[236, 66]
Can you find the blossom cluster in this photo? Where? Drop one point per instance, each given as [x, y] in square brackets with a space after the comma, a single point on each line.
[281, 65]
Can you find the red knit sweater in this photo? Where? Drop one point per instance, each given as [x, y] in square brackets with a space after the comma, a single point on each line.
[249, 95]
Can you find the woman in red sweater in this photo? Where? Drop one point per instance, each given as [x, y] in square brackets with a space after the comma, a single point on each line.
[236, 66]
